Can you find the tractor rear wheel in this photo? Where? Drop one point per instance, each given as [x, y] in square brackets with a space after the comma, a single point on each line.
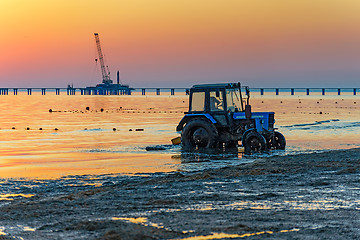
[254, 142]
[277, 141]
[199, 134]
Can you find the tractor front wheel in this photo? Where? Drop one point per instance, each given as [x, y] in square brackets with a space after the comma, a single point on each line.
[199, 134]
[254, 142]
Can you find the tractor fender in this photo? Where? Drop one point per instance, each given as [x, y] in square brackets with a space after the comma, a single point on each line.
[246, 133]
[189, 117]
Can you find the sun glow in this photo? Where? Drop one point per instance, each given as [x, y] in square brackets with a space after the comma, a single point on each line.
[49, 42]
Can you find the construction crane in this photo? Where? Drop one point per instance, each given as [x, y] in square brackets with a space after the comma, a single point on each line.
[104, 69]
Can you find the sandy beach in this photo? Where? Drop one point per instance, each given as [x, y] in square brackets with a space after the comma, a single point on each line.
[305, 196]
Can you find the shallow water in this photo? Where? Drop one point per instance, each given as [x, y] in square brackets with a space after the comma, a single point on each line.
[105, 140]
[85, 142]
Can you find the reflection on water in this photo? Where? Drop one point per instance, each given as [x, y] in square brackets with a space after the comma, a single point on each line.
[104, 140]
[144, 221]
[14, 230]
[140, 220]
[226, 235]
[326, 204]
[11, 196]
[106, 146]
[202, 160]
[210, 154]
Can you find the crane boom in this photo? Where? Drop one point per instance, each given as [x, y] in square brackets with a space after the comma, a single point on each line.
[104, 70]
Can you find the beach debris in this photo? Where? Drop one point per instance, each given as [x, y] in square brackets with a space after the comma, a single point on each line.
[108, 183]
[13, 128]
[130, 130]
[139, 129]
[176, 141]
[52, 111]
[114, 129]
[27, 128]
[40, 129]
[101, 110]
[87, 108]
[158, 147]
[56, 129]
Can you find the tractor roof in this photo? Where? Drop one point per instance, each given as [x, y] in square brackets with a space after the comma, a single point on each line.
[217, 85]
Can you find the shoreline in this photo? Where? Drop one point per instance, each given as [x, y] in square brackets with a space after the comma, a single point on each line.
[282, 197]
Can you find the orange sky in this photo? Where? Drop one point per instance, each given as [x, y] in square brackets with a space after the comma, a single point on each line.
[178, 43]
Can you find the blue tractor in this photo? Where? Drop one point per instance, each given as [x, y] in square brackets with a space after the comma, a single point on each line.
[219, 116]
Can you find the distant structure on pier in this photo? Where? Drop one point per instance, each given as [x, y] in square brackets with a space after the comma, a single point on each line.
[107, 87]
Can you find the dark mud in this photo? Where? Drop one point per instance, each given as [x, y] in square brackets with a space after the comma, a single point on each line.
[308, 196]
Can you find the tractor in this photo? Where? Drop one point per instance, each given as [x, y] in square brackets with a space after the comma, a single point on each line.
[220, 117]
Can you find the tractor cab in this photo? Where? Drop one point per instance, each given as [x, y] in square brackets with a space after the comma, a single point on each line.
[216, 98]
[219, 116]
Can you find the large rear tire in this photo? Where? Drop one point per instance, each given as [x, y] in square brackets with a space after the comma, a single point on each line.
[277, 142]
[254, 142]
[199, 134]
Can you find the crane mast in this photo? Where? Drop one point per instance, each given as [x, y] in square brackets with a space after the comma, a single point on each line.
[104, 69]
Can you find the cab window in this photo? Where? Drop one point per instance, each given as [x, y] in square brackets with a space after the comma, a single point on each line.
[233, 101]
[216, 101]
[198, 102]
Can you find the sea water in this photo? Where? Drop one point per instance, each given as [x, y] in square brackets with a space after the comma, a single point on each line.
[52, 136]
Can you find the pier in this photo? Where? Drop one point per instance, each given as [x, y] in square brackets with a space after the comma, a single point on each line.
[95, 91]
[179, 91]
[305, 91]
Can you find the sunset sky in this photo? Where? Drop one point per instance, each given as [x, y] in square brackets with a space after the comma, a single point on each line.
[165, 43]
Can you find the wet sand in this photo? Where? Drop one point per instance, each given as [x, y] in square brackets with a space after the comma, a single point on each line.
[305, 196]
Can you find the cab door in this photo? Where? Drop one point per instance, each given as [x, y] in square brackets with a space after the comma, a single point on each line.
[217, 106]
